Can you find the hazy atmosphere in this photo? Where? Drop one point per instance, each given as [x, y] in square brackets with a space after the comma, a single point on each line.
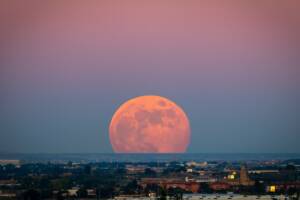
[66, 67]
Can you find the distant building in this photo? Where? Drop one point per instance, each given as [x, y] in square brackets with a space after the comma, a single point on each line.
[263, 171]
[132, 197]
[196, 164]
[275, 187]
[219, 186]
[167, 183]
[189, 170]
[9, 183]
[72, 192]
[131, 169]
[231, 196]
[91, 193]
[271, 188]
[10, 162]
[7, 195]
[201, 179]
[244, 178]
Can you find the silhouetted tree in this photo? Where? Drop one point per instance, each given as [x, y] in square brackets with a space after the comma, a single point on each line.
[204, 188]
[132, 187]
[82, 193]
[259, 187]
[87, 169]
[31, 194]
[60, 196]
[107, 190]
[176, 193]
[150, 172]
[152, 188]
[163, 194]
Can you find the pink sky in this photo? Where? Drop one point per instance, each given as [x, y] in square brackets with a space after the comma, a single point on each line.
[195, 52]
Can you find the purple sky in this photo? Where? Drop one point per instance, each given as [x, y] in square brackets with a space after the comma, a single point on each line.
[233, 66]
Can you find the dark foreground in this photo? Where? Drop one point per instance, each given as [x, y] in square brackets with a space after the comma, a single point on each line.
[178, 176]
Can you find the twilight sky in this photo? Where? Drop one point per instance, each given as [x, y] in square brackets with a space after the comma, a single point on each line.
[66, 66]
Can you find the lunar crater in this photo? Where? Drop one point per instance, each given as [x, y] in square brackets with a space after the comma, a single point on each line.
[149, 124]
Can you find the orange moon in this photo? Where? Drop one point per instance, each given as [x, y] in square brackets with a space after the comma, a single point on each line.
[149, 124]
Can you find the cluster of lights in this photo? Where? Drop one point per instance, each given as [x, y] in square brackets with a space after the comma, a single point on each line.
[231, 176]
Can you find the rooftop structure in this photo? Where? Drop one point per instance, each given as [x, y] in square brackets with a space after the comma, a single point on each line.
[232, 196]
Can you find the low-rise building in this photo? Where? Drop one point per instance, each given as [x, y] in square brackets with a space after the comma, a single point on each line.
[167, 183]
[91, 192]
[219, 186]
[233, 197]
[73, 192]
[10, 162]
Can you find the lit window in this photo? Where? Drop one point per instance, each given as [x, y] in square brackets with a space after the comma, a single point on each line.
[272, 188]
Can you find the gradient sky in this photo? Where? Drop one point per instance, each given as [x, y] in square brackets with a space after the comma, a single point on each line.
[66, 66]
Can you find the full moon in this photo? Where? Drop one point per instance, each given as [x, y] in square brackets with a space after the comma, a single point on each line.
[149, 124]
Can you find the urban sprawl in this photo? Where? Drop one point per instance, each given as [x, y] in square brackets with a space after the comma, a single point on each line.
[269, 179]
